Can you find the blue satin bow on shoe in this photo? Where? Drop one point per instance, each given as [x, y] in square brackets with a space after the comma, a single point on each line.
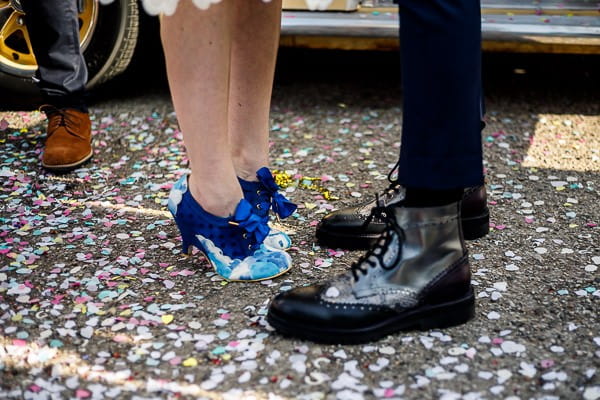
[280, 205]
[264, 196]
[235, 246]
[250, 222]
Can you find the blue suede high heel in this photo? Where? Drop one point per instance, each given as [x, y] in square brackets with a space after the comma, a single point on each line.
[264, 196]
[233, 245]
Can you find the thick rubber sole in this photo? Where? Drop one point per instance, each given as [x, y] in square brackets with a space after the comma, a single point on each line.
[439, 316]
[349, 241]
[473, 228]
[65, 168]
[476, 227]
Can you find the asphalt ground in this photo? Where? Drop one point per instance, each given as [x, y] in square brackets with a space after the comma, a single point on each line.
[97, 301]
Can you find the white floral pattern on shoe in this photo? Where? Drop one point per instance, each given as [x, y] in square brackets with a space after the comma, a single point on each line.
[236, 246]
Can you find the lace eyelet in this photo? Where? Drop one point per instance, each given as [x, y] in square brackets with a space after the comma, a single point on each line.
[245, 235]
[259, 206]
[258, 192]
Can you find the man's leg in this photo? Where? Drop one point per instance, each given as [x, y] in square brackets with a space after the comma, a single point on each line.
[441, 146]
[417, 274]
[441, 75]
[62, 74]
[54, 32]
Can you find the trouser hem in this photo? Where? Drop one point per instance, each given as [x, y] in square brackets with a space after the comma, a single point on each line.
[441, 173]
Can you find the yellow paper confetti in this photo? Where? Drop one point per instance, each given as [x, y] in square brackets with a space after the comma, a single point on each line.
[190, 362]
[285, 180]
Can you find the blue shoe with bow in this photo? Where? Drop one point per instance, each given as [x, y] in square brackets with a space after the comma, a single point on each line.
[234, 245]
[264, 196]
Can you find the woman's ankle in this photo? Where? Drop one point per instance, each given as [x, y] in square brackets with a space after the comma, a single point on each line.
[246, 169]
[216, 198]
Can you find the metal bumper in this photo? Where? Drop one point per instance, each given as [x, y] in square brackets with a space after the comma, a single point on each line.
[504, 29]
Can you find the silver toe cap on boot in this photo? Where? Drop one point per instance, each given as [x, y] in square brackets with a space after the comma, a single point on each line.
[428, 243]
[416, 277]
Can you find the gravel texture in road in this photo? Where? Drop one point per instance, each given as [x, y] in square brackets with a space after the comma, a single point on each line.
[97, 300]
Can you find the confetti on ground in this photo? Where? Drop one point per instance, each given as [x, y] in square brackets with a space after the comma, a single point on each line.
[97, 301]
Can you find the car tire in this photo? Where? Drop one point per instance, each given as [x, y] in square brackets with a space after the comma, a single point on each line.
[108, 52]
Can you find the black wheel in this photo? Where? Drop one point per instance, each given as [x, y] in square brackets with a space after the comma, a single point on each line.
[108, 35]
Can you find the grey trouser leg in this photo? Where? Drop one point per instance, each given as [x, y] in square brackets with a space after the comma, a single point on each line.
[54, 32]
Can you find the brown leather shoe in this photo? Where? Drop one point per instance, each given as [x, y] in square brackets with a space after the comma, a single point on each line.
[69, 139]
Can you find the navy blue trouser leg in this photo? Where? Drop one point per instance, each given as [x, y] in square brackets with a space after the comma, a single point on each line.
[441, 72]
[53, 27]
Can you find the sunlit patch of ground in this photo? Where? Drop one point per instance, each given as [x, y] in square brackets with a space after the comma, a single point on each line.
[20, 119]
[565, 142]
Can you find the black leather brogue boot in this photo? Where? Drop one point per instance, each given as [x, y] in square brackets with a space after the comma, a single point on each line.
[416, 276]
[347, 228]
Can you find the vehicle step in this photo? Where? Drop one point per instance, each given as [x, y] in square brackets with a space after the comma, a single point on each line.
[541, 6]
[537, 7]
[377, 28]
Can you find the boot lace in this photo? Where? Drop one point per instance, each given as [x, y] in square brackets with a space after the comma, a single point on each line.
[394, 186]
[374, 256]
[389, 193]
[58, 118]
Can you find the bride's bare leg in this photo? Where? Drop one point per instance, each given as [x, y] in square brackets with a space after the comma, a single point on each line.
[255, 41]
[197, 46]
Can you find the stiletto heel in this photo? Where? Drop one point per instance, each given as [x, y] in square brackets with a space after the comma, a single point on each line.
[264, 196]
[186, 247]
[233, 245]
